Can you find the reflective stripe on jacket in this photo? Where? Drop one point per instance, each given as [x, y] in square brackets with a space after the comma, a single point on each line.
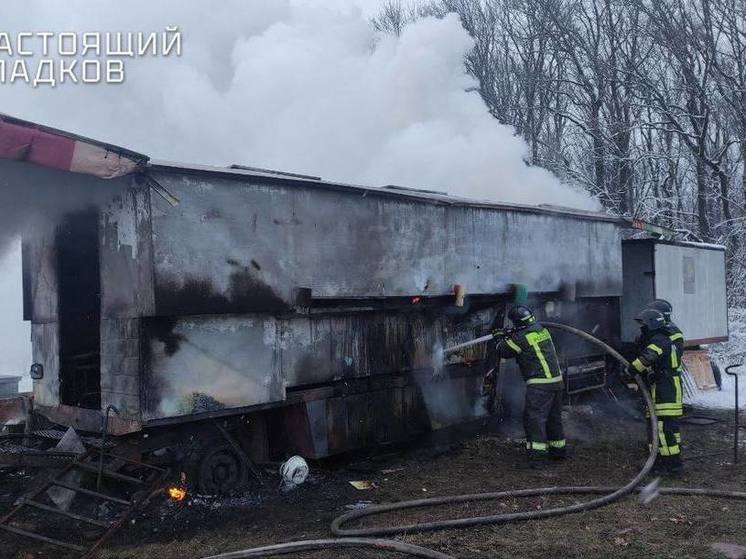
[535, 353]
[662, 355]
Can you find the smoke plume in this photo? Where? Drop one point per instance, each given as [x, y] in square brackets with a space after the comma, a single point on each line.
[294, 86]
[298, 85]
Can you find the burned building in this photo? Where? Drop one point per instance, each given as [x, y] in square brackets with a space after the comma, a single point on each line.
[312, 307]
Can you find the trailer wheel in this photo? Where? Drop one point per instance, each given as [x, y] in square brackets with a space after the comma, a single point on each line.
[222, 469]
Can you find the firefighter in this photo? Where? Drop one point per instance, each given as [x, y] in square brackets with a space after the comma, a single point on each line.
[665, 308]
[660, 358]
[674, 333]
[532, 347]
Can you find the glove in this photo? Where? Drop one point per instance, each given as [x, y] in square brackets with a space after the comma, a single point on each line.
[502, 332]
[628, 375]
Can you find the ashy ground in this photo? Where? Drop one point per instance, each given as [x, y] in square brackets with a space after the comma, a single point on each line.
[606, 450]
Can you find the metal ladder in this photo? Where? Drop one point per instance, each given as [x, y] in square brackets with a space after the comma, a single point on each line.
[147, 489]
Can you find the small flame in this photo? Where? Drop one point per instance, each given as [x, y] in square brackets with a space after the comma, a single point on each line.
[416, 300]
[176, 493]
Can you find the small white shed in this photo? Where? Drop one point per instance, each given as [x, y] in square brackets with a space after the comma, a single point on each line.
[691, 276]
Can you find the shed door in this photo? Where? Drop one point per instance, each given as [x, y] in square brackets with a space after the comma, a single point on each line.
[79, 308]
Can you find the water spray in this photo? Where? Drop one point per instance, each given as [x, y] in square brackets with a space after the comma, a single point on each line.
[494, 335]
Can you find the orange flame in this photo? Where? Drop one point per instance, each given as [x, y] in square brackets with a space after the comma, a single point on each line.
[176, 493]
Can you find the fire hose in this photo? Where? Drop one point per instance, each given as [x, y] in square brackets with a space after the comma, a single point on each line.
[363, 537]
[313, 545]
[609, 494]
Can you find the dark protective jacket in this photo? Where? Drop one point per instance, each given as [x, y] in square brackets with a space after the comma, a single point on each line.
[660, 353]
[533, 349]
[671, 330]
[676, 336]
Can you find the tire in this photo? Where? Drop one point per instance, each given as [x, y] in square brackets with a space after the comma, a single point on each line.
[222, 469]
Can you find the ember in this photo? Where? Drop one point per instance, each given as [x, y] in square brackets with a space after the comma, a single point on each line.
[176, 493]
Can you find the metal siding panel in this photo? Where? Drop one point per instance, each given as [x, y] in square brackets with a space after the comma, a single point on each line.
[233, 246]
[331, 348]
[227, 362]
[316, 413]
[126, 256]
[382, 412]
[120, 366]
[359, 421]
[702, 314]
[45, 350]
[490, 250]
[336, 422]
[639, 289]
[42, 268]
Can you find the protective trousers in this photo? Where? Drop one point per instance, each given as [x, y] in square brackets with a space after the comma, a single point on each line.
[542, 421]
[669, 441]
[667, 395]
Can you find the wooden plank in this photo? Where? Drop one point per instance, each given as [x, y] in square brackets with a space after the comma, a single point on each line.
[55, 510]
[109, 473]
[698, 364]
[41, 538]
[92, 493]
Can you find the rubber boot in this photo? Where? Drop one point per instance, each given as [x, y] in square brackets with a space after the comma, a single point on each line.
[659, 467]
[674, 466]
[557, 454]
[536, 459]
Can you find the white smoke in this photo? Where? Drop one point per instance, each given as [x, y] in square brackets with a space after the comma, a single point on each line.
[296, 86]
[15, 349]
[305, 86]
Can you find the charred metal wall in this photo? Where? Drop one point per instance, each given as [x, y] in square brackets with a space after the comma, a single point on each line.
[41, 285]
[66, 192]
[204, 363]
[126, 296]
[245, 245]
[241, 248]
[200, 306]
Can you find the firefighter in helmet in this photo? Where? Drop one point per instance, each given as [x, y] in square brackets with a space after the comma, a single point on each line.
[671, 330]
[532, 347]
[660, 358]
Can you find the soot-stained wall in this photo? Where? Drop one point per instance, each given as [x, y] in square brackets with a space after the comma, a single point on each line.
[199, 305]
[240, 248]
[245, 245]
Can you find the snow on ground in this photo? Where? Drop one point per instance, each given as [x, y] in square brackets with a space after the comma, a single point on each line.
[728, 353]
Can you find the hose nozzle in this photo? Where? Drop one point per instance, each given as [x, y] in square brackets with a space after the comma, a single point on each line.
[495, 334]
